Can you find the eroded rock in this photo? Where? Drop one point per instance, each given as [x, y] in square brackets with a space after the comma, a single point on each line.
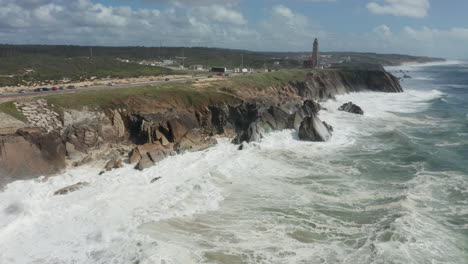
[351, 108]
[114, 164]
[71, 188]
[144, 163]
[313, 129]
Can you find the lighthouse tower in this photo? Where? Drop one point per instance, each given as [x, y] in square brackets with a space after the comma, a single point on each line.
[315, 54]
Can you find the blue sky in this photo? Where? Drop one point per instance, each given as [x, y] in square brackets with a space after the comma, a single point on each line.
[419, 27]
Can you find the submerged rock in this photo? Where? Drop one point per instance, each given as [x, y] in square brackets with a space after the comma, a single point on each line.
[351, 108]
[313, 129]
[155, 179]
[71, 188]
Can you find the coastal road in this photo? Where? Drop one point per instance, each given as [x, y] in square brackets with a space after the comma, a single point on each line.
[102, 87]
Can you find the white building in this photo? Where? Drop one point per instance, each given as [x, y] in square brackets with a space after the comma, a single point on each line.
[168, 62]
[196, 67]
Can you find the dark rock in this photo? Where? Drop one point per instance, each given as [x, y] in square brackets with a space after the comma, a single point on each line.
[351, 108]
[280, 116]
[329, 127]
[310, 107]
[155, 179]
[71, 188]
[312, 129]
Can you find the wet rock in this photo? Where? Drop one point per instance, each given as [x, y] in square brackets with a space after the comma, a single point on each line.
[144, 163]
[113, 164]
[155, 179]
[310, 107]
[351, 108]
[71, 188]
[313, 129]
[328, 126]
[157, 155]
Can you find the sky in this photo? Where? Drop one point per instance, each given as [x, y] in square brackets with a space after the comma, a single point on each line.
[437, 28]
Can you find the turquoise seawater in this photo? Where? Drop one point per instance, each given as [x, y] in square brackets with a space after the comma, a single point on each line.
[391, 186]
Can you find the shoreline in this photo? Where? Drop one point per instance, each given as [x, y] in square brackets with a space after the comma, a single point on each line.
[424, 64]
[155, 123]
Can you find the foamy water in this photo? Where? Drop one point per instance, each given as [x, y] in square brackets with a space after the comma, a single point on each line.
[380, 191]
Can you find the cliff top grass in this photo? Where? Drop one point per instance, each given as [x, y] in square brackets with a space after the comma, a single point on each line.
[10, 109]
[185, 94]
[260, 81]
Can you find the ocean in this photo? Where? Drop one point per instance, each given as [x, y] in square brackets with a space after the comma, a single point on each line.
[391, 186]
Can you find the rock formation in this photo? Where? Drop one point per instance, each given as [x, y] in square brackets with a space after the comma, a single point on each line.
[71, 188]
[154, 131]
[351, 108]
[313, 129]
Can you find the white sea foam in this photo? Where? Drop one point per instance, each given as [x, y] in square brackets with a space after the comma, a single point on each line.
[417, 66]
[272, 202]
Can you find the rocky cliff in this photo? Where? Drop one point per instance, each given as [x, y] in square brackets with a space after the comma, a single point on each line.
[145, 131]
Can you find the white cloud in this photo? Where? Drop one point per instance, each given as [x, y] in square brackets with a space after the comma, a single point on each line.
[221, 14]
[408, 8]
[84, 22]
[383, 30]
[283, 11]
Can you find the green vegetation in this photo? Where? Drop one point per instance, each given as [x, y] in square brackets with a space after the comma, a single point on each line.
[21, 64]
[180, 94]
[382, 59]
[39, 68]
[165, 95]
[260, 81]
[10, 109]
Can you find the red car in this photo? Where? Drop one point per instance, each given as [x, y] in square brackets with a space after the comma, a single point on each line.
[219, 74]
[55, 89]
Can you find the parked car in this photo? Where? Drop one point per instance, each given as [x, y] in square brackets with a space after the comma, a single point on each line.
[226, 74]
[210, 76]
[22, 91]
[110, 84]
[167, 79]
[55, 89]
[71, 87]
[37, 90]
[219, 74]
[45, 89]
[62, 88]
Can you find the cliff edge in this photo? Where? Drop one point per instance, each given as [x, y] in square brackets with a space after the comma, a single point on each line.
[144, 125]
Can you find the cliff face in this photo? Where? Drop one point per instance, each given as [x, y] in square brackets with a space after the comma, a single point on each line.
[152, 133]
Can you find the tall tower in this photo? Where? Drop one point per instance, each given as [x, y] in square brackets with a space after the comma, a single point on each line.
[315, 55]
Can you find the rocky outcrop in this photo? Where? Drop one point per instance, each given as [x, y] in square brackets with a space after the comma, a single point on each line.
[351, 108]
[71, 188]
[313, 129]
[31, 153]
[113, 164]
[155, 131]
[40, 115]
